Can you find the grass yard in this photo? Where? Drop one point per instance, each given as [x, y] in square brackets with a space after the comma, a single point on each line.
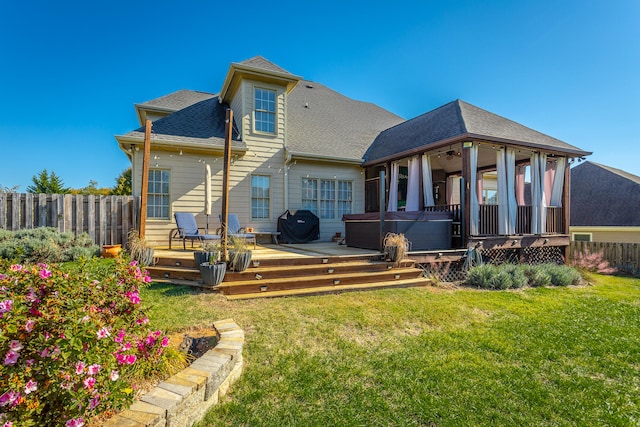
[428, 356]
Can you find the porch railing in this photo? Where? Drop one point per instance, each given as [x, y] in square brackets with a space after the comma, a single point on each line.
[488, 224]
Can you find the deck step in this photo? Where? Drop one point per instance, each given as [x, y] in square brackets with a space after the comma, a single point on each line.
[257, 284]
[334, 289]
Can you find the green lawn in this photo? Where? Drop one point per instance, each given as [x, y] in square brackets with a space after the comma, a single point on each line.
[428, 356]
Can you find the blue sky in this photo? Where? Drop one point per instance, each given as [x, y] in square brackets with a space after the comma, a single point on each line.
[70, 71]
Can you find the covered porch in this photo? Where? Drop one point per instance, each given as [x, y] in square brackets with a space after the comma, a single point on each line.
[503, 186]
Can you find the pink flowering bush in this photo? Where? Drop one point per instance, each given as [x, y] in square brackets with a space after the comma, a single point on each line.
[594, 262]
[71, 343]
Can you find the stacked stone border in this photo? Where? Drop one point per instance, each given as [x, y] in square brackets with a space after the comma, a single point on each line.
[184, 398]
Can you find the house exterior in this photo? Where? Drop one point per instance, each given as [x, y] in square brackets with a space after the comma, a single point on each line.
[296, 144]
[602, 204]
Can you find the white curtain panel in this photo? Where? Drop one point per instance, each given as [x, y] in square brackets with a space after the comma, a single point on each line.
[427, 181]
[558, 182]
[520, 172]
[413, 185]
[392, 206]
[511, 187]
[474, 221]
[538, 203]
[503, 206]
[451, 181]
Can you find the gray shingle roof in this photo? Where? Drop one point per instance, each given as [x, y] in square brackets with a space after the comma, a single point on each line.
[260, 62]
[201, 123]
[178, 100]
[459, 119]
[604, 196]
[323, 122]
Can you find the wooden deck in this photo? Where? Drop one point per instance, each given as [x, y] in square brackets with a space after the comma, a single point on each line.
[295, 269]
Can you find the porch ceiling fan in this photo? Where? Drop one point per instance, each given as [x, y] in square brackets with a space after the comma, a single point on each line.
[451, 154]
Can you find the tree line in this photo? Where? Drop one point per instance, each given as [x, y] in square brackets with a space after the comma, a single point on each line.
[50, 183]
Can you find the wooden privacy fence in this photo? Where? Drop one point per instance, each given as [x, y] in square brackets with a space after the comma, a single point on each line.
[107, 219]
[623, 256]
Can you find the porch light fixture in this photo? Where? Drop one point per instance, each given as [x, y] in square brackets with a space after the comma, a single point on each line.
[467, 144]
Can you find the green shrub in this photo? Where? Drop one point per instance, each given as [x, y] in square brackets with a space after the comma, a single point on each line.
[72, 342]
[511, 276]
[5, 234]
[46, 245]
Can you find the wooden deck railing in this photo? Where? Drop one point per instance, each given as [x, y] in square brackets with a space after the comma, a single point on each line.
[488, 224]
[107, 219]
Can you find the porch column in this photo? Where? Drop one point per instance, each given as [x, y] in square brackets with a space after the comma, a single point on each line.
[566, 205]
[465, 199]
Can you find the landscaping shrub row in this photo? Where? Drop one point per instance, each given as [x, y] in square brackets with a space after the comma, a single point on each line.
[45, 245]
[512, 276]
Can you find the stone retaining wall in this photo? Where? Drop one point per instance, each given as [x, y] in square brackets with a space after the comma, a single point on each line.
[183, 399]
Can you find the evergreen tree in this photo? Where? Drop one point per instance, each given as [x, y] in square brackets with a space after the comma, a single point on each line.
[45, 183]
[123, 184]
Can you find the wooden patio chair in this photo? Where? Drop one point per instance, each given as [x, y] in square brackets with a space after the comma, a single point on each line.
[187, 229]
[235, 230]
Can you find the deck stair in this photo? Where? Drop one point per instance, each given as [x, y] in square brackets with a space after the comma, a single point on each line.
[297, 276]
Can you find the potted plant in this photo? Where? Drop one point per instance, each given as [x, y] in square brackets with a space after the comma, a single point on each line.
[239, 254]
[213, 271]
[396, 247]
[139, 249]
[207, 252]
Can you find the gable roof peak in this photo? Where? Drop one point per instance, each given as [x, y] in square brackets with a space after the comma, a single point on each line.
[263, 63]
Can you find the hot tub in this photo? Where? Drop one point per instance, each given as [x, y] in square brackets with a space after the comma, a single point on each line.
[425, 230]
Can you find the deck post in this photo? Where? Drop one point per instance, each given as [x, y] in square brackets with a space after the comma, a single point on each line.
[465, 194]
[225, 183]
[382, 207]
[566, 205]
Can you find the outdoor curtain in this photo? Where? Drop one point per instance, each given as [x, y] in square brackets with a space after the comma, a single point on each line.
[507, 206]
[549, 175]
[392, 206]
[520, 172]
[413, 185]
[538, 199]
[475, 207]
[558, 182]
[427, 181]
[451, 181]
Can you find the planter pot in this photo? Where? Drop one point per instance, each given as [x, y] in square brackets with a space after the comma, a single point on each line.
[239, 261]
[111, 251]
[204, 256]
[213, 274]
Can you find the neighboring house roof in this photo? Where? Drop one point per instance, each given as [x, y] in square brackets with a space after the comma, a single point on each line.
[200, 124]
[455, 121]
[324, 123]
[604, 196]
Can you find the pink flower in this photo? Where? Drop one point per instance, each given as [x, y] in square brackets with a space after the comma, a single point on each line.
[103, 333]
[93, 403]
[6, 306]
[15, 345]
[29, 325]
[75, 422]
[15, 267]
[30, 362]
[45, 274]
[80, 368]
[11, 358]
[133, 263]
[9, 398]
[149, 341]
[146, 279]
[7, 424]
[30, 386]
[142, 321]
[114, 375]
[93, 369]
[89, 382]
[133, 297]
[31, 296]
[45, 352]
[165, 341]
[120, 336]
[85, 319]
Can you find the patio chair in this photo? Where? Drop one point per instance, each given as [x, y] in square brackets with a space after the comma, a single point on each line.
[187, 229]
[235, 230]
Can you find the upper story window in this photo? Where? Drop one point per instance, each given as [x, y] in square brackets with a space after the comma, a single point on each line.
[265, 110]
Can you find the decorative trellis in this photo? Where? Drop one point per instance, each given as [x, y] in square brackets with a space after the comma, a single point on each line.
[452, 271]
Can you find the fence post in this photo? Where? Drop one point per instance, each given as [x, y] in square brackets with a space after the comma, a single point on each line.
[102, 220]
[79, 201]
[15, 211]
[91, 217]
[28, 211]
[3, 210]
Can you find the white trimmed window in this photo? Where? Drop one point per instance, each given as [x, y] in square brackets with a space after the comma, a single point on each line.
[158, 194]
[581, 237]
[265, 110]
[260, 196]
[329, 199]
